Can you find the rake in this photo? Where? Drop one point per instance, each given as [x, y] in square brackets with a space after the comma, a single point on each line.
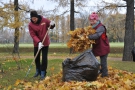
[36, 55]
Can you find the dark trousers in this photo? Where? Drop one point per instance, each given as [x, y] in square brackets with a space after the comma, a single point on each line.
[41, 65]
[103, 62]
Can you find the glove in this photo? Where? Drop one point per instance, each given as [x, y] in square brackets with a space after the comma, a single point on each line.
[89, 36]
[40, 45]
[52, 23]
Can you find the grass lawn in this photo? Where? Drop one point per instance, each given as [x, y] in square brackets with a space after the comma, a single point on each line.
[31, 45]
[9, 71]
[122, 65]
[120, 44]
[12, 73]
[112, 44]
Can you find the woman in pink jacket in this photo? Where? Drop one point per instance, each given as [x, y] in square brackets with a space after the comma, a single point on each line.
[101, 47]
[38, 28]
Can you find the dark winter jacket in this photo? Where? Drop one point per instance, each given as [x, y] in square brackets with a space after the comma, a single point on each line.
[102, 46]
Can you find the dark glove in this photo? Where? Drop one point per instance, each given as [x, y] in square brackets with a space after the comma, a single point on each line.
[52, 24]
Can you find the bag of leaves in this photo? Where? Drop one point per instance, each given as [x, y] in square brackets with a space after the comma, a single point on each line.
[84, 67]
[133, 53]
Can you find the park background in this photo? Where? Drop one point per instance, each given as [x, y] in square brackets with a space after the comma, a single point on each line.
[16, 48]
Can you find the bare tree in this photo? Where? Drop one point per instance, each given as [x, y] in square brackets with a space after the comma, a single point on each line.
[65, 3]
[63, 29]
[82, 20]
[116, 27]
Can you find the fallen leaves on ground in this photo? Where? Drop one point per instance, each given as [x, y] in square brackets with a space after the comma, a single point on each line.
[117, 80]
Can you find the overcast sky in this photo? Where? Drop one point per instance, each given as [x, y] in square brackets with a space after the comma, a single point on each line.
[48, 5]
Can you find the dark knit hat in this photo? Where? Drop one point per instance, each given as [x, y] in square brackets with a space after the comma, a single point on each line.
[33, 14]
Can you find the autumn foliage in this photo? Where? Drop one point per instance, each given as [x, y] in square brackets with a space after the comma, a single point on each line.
[117, 80]
[79, 40]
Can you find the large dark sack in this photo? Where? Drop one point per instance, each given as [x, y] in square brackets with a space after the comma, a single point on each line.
[133, 54]
[84, 67]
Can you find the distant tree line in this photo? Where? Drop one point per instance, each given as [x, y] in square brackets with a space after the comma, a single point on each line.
[115, 24]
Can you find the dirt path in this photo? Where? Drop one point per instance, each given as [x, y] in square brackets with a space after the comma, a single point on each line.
[55, 57]
[112, 58]
[64, 57]
[115, 58]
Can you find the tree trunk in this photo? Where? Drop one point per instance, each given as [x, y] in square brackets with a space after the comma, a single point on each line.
[129, 31]
[16, 34]
[72, 24]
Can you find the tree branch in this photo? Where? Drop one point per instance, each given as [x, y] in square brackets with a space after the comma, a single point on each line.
[77, 12]
[125, 0]
[64, 12]
[109, 7]
[23, 9]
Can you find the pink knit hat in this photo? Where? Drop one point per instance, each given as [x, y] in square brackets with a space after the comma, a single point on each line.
[93, 16]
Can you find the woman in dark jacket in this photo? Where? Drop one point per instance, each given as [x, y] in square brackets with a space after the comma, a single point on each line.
[101, 47]
[38, 28]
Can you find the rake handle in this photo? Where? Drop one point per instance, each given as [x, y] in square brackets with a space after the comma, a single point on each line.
[36, 54]
[39, 49]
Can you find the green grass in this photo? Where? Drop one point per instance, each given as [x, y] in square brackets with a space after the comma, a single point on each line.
[31, 45]
[122, 65]
[112, 44]
[12, 73]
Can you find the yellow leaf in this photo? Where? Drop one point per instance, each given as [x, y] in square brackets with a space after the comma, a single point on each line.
[52, 68]
[17, 82]
[9, 87]
[79, 39]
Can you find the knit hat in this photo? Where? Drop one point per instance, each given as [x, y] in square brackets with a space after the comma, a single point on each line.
[33, 14]
[93, 16]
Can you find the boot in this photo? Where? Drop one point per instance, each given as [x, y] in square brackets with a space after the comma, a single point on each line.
[43, 74]
[37, 73]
